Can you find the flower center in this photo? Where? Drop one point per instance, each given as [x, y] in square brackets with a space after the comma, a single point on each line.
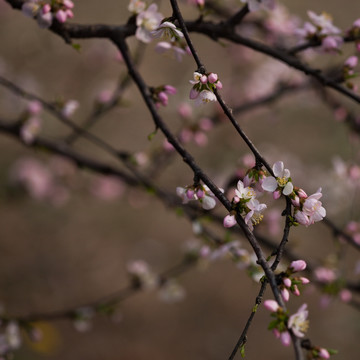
[282, 181]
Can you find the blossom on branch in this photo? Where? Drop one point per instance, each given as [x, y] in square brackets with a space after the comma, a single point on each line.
[281, 181]
[298, 322]
[147, 21]
[203, 87]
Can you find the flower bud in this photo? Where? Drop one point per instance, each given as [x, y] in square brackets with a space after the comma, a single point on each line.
[212, 78]
[271, 305]
[203, 79]
[229, 221]
[287, 282]
[324, 354]
[298, 265]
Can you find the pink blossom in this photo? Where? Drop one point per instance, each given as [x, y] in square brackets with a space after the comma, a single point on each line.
[68, 4]
[229, 221]
[304, 280]
[46, 8]
[200, 138]
[313, 207]
[298, 322]
[44, 20]
[302, 218]
[324, 354]
[107, 188]
[206, 124]
[61, 16]
[34, 107]
[146, 22]
[285, 294]
[30, 129]
[171, 90]
[271, 305]
[351, 62]
[285, 338]
[185, 110]
[332, 43]
[70, 107]
[213, 78]
[325, 275]
[345, 295]
[287, 282]
[298, 265]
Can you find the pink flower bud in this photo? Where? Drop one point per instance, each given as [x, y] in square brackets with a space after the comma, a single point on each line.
[163, 98]
[61, 16]
[68, 3]
[69, 14]
[200, 138]
[296, 201]
[285, 338]
[287, 282]
[184, 110]
[285, 294]
[219, 85]
[276, 332]
[356, 23]
[229, 221]
[212, 78]
[304, 280]
[302, 194]
[345, 295]
[351, 62]
[206, 124]
[236, 199]
[324, 354]
[298, 265]
[171, 90]
[296, 291]
[276, 194]
[46, 8]
[200, 193]
[190, 194]
[271, 305]
[34, 107]
[204, 79]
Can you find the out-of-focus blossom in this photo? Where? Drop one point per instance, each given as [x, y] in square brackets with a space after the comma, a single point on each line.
[171, 292]
[163, 47]
[141, 274]
[69, 108]
[147, 21]
[107, 188]
[30, 129]
[136, 6]
[255, 5]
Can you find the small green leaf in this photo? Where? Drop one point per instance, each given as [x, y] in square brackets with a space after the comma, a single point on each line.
[255, 308]
[332, 351]
[242, 351]
[151, 135]
[77, 47]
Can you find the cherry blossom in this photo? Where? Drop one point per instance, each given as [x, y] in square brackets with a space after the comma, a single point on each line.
[200, 193]
[281, 180]
[167, 30]
[298, 322]
[147, 21]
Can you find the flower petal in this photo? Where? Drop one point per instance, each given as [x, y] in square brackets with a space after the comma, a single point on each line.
[278, 169]
[269, 184]
[288, 189]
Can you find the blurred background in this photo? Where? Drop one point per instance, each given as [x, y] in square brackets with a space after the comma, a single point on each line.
[72, 248]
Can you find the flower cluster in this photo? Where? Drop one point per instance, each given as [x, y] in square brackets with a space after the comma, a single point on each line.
[200, 193]
[290, 283]
[321, 29]
[193, 130]
[282, 323]
[44, 12]
[160, 94]
[307, 209]
[203, 87]
[245, 204]
[31, 123]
